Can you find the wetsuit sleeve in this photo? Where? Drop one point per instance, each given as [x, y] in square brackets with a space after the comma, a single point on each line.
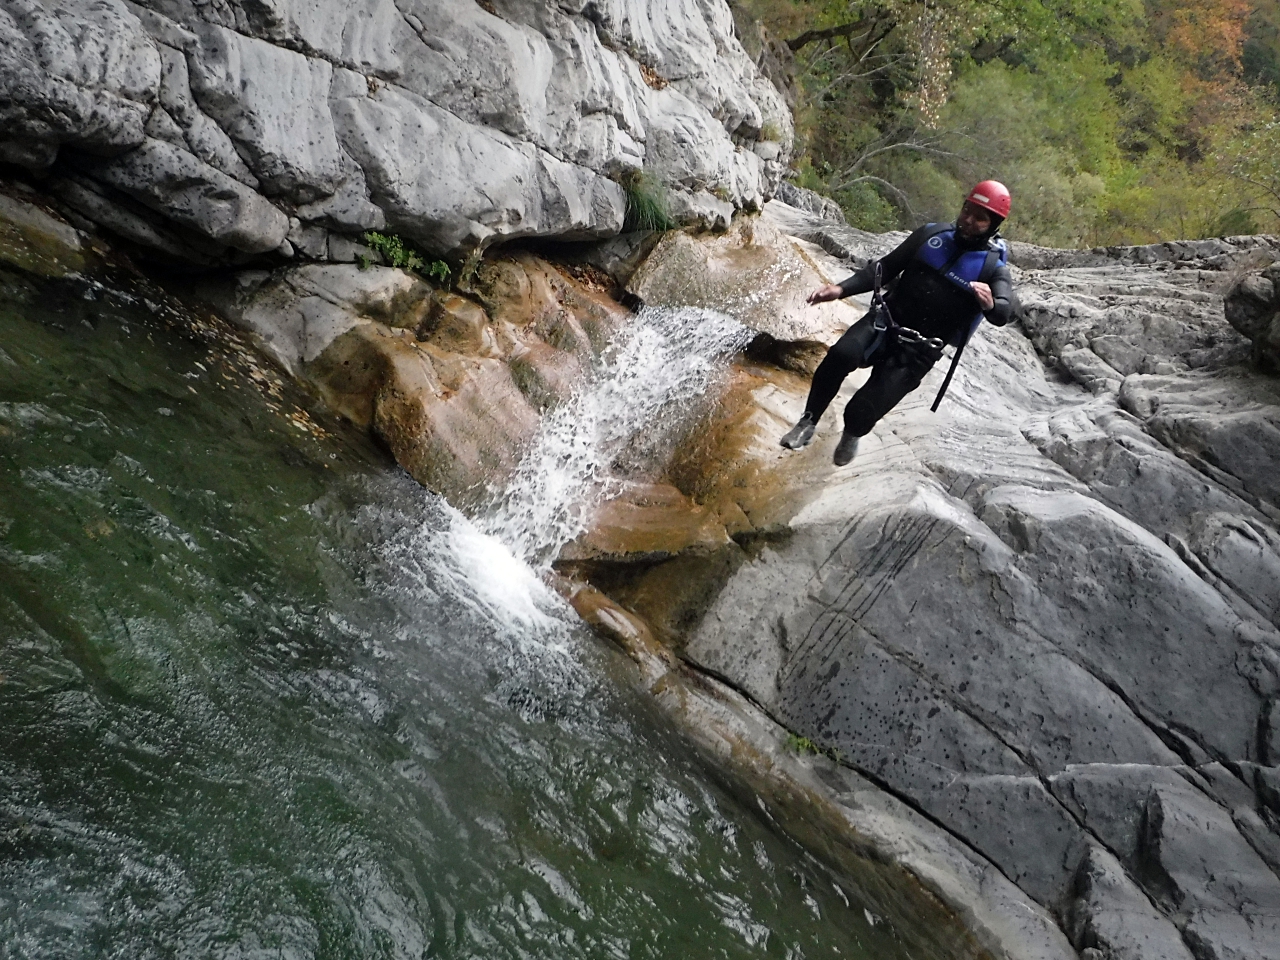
[1004, 308]
[894, 262]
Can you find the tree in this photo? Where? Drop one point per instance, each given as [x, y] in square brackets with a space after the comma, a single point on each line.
[1112, 122]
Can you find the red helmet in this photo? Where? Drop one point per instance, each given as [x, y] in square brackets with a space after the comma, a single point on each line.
[991, 195]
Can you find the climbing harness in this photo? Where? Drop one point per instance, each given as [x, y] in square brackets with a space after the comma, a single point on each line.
[911, 343]
[890, 334]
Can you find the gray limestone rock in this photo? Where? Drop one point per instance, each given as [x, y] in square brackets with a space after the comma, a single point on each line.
[815, 203]
[78, 73]
[1045, 617]
[1088, 367]
[455, 123]
[199, 134]
[296, 314]
[1229, 430]
[1252, 307]
[274, 105]
[1203, 872]
[1109, 800]
[33, 240]
[131, 220]
[189, 192]
[449, 184]
[1109, 913]
[363, 35]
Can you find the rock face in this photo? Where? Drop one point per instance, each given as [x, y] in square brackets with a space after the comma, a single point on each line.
[1036, 634]
[454, 384]
[813, 203]
[211, 131]
[1047, 617]
[32, 240]
[1253, 308]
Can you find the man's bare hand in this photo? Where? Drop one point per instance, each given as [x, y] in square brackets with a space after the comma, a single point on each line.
[983, 293]
[831, 291]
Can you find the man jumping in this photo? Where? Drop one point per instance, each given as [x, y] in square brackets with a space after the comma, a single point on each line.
[943, 280]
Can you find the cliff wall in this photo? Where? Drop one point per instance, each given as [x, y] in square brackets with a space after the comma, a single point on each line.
[217, 131]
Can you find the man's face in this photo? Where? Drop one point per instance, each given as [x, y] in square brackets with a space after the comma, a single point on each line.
[973, 221]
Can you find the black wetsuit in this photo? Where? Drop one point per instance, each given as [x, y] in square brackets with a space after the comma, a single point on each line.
[920, 296]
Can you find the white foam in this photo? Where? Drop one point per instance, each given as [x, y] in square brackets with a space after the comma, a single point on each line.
[664, 361]
[484, 570]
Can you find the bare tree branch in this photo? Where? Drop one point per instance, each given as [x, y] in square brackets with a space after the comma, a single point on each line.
[896, 140]
[829, 33]
[868, 178]
[1268, 188]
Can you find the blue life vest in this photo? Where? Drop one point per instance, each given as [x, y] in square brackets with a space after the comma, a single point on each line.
[961, 266]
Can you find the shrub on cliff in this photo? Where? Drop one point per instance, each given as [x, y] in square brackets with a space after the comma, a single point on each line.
[397, 253]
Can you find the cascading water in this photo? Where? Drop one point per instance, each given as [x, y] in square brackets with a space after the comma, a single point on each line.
[664, 360]
[262, 696]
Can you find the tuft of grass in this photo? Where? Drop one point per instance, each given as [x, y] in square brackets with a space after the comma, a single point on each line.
[806, 747]
[770, 131]
[400, 254]
[647, 207]
[802, 745]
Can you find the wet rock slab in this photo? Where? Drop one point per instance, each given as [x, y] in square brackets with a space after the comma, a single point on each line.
[1046, 617]
[453, 383]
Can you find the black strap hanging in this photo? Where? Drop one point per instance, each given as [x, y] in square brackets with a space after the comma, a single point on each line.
[988, 268]
[955, 362]
[881, 320]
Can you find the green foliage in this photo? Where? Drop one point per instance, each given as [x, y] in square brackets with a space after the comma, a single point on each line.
[1237, 222]
[1048, 134]
[866, 209]
[438, 271]
[806, 747]
[1260, 55]
[1124, 122]
[399, 254]
[802, 745]
[1254, 161]
[394, 251]
[647, 207]
[469, 267]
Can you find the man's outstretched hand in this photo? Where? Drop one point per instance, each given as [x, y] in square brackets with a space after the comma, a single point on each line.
[831, 291]
[983, 293]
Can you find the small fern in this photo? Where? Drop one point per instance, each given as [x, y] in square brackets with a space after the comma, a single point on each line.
[394, 250]
[397, 253]
[802, 745]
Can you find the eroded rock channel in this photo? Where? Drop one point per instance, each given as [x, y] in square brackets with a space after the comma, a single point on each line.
[1033, 636]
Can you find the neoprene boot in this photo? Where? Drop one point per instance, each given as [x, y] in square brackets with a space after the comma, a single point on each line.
[846, 449]
[800, 435]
